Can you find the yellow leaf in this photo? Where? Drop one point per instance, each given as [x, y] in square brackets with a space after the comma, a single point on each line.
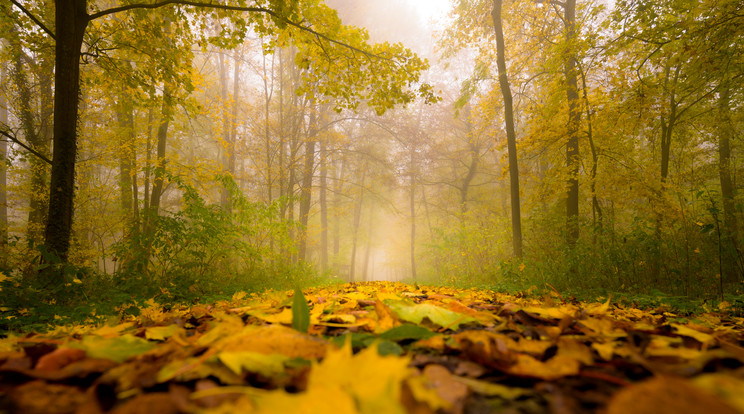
[701, 337]
[108, 331]
[373, 381]
[273, 339]
[161, 333]
[267, 365]
[727, 387]
[555, 368]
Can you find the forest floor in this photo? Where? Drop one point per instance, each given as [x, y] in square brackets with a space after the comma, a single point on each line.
[382, 347]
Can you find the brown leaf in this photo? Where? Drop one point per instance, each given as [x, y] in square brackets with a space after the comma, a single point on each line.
[447, 387]
[157, 402]
[40, 397]
[59, 358]
[666, 395]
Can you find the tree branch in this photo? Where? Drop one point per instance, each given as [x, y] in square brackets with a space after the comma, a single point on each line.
[34, 19]
[232, 8]
[26, 147]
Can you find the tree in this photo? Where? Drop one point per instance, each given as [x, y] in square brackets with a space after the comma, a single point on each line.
[509, 126]
[71, 21]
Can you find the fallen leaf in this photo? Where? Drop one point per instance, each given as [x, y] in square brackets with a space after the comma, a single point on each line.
[666, 395]
[416, 313]
[117, 349]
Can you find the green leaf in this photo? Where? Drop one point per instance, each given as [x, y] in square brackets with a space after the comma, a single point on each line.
[117, 349]
[407, 332]
[358, 339]
[416, 313]
[385, 348]
[300, 312]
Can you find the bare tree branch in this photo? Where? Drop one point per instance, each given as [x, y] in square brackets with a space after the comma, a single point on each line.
[26, 147]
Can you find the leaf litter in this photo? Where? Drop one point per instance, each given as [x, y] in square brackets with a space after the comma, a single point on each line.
[381, 347]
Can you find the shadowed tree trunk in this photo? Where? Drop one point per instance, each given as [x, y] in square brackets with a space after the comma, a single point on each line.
[3, 179]
[511, 139]
[71, 19]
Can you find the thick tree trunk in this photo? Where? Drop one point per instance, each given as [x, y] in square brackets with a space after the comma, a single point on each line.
[574, 119]
[511, 139]
[71, 19]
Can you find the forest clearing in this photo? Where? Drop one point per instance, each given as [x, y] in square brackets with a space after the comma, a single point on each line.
[421, 206]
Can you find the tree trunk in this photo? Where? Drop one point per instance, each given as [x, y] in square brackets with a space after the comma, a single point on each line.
[511, 140]
[125, 116]
[3, 179]
[225, 198]
[323, 205]
[412, 196]
[337, 187]
[307, 184]
[370, 229]
[37, 168]
[268, 93]
[355, 230]
[574, 119]
[730, 222]
[160, 160]
[597, 219]
[71, 19]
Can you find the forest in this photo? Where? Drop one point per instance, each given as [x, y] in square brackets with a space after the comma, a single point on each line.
[499, 197]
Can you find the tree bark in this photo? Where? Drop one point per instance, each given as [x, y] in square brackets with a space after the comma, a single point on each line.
[574, 119]
[511, 139]
[3, 179]
[32, 132]
[597, 215]
[160, 159]
[125, 116]
[71, 19]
